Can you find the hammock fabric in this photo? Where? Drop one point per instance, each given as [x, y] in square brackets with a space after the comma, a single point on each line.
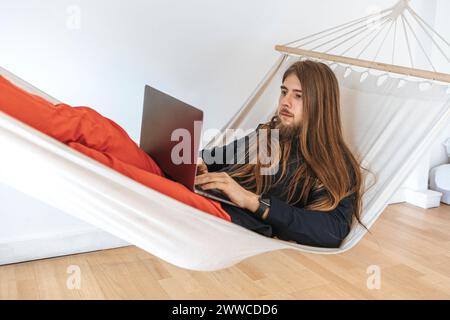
[388, 125]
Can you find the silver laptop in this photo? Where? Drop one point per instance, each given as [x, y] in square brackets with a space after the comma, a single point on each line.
[165, 119]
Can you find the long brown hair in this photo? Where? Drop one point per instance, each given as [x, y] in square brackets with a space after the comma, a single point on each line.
[327, 165]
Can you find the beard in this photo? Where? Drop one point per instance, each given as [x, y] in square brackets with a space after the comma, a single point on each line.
[287, 132]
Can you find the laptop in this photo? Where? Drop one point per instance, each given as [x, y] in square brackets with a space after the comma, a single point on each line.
[168, 124]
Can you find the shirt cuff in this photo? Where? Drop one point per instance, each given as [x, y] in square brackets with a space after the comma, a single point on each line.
[280, 213]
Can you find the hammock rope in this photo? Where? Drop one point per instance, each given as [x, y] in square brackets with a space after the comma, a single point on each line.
[366, 31]
[337, 28]
[407, 41]
[393, 41]
[366, 28]
[382, 43]
[382, 26]
[420, 19]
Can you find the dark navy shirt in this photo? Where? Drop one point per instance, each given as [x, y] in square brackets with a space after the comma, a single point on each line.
[286, 221]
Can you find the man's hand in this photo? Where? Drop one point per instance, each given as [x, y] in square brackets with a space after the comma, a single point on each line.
[201, 166]
[223, 182]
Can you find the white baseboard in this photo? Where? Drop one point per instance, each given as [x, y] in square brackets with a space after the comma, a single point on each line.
[425, 199]
[57, 244]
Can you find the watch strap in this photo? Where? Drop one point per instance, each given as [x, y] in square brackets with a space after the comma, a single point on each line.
[262, 207]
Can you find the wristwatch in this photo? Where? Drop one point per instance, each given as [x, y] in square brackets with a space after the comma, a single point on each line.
[264, 203]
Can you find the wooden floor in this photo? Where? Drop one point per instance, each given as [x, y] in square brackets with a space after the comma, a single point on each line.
[409, 245]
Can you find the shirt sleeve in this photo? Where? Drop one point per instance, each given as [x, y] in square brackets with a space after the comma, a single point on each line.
[314, 228]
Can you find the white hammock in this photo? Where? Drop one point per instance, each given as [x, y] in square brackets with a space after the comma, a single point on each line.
[387, 126]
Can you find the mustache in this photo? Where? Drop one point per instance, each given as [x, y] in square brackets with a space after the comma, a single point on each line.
[286, 112]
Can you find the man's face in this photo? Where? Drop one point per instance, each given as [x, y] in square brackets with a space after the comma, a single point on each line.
[290, 104]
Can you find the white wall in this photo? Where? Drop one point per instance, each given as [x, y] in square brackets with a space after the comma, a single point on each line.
[209, 53]
[435, 12]
[441, 23]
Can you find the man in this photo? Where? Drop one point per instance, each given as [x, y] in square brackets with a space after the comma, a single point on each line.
[316, 192]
